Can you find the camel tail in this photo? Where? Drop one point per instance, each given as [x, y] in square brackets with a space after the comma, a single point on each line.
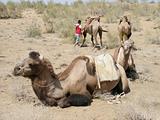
[100, 28]
[104, 30]
[79, 100]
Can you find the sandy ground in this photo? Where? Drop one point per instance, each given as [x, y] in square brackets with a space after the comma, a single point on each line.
[18, 101]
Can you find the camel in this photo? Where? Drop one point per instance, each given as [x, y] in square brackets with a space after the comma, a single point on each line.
[72, 87]
[123, 56]
[124, 29]
[93, 28]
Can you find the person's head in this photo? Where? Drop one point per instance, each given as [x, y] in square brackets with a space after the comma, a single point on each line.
[79, 21]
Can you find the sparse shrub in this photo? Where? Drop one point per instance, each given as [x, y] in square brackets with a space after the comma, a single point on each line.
[13, 10]
[10, 10]
[34, 31]
[136, 25]
[146, 9]
[39, 6]
[112, 41]
[25, 4]
[48, 22]
[113, 13]
[3, 11]
[155, 38]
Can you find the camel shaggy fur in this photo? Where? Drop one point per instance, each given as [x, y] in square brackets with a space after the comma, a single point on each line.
[72, 87]
[124, 29]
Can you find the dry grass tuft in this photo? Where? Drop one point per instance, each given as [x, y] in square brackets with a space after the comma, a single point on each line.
[10, 10]
[136, 25]
[154, 38]
[34, 31]
[112, 41]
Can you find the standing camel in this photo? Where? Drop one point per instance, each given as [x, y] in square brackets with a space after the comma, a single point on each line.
[72, 87]
[124, 29]
[93, 28]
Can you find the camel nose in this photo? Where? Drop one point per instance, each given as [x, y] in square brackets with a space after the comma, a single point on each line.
[16, 70]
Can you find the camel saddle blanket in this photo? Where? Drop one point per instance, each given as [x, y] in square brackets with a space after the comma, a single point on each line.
[106, 68]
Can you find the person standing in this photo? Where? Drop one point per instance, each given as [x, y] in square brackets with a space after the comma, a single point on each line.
[78, 31]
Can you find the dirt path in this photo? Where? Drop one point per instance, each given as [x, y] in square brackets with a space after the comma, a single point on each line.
[17, 100]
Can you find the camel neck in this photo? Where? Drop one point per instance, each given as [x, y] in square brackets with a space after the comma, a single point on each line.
[45, 79]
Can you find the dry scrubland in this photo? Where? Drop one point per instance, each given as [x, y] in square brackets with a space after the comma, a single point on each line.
[49, 29]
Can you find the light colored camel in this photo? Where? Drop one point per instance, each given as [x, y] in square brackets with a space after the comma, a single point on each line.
[123, 56]
[72, 87]
[93, 28]
[124, 29]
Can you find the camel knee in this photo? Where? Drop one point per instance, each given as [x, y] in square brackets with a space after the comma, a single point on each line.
[75, 100]
[64, 102]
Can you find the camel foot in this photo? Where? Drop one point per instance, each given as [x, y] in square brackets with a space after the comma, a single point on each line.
[98, 46]
[84, 45]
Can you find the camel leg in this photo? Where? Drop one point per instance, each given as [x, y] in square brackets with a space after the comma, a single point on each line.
[84, 39]
[131, 70]
[100, 36]
[121, 37]
[95, 38]
[63, 102]
[124, 85]
[129, 35]
[92, 40]
[49, 102]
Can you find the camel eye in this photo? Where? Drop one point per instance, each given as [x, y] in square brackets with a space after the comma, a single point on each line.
[30, 65]
[18, 68]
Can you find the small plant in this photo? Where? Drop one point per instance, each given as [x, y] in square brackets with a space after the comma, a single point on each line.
[3, 11]
[112, 41]
[34, 31]
[13, 10]
[39, 6]
[136, 25]
[25, 4]
[154, 38]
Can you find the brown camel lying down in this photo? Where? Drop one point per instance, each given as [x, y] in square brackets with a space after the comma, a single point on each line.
[93, 27]
[72, 87]
[124, 29]
[123, 56]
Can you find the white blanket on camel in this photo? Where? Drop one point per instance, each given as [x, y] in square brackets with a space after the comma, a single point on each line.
[106, 68]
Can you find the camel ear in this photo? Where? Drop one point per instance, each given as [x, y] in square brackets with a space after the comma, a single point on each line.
[34, 55]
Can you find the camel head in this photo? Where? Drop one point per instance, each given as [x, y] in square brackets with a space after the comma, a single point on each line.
[127, 46]
[123, 19]
[30, 66]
